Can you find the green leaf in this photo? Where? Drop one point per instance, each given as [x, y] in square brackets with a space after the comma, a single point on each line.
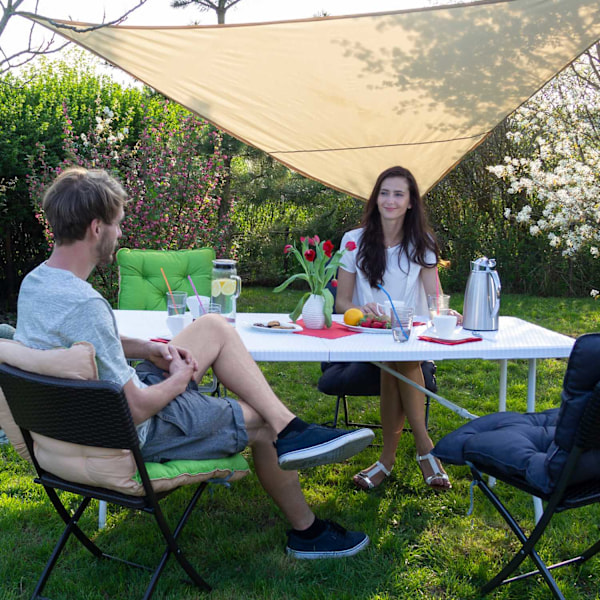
[287, 282]
[298, 310]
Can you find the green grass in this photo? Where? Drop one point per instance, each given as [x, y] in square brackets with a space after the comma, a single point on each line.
[423, 544]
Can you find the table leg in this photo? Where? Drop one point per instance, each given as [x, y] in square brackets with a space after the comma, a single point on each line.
[531, 375]
[101, 514]
[501, 400]
[465, 414]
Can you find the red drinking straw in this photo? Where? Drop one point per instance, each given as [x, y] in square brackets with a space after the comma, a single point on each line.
[170, 290]
[197, 296]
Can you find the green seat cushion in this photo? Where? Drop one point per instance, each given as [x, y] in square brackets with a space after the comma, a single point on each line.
[142, 285]
[181, 472]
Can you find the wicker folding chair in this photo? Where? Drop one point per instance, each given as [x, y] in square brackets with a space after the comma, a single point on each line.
[89, 413]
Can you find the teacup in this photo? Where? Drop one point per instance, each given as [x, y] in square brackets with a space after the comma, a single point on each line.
[444, 325]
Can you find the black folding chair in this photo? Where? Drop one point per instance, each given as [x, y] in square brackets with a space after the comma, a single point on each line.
[92, 413]
[554, 455]
[344, 380]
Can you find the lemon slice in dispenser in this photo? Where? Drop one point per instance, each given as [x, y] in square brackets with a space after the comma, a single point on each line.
[215, 288]
[228, 287]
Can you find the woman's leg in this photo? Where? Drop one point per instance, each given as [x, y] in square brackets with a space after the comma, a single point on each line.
[392, 421]
[413, 406]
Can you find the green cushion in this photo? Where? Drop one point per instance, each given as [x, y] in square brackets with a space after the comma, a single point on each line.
[231, 467]
[142, 285]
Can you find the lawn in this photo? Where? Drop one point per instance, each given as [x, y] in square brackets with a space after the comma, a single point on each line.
[423, 544]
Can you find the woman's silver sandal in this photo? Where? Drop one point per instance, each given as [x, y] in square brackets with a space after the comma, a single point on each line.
[437, 474]
[363, 479]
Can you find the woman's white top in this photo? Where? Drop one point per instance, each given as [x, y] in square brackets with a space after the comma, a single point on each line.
[401, 280]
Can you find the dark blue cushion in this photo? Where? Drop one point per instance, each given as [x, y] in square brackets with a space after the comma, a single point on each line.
[534, 446]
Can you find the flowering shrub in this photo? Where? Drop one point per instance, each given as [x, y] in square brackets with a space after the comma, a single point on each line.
[559, 176]
[174, 189]
[319, 266]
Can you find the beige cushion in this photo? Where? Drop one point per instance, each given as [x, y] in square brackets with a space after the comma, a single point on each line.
[114, 469]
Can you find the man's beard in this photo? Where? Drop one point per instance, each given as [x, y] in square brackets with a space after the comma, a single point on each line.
[106, 252]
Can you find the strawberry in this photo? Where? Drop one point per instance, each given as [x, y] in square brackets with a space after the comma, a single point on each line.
[377, 324]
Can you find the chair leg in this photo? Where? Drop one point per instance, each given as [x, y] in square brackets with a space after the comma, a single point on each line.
[173, 547]
[69, 529]
[527, 549]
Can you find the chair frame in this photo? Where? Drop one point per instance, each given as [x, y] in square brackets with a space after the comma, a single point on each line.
[92, 413]
[564, 497]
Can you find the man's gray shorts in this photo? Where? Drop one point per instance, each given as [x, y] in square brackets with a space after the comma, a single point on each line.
[193, 426]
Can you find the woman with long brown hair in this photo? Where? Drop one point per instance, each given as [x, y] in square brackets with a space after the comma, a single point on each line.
[395, 249]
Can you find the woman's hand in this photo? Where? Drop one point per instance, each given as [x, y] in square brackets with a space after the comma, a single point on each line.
[459, 317]
[373, 308]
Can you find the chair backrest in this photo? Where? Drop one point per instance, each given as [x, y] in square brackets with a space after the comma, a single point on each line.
[578, 420]
[91, 413]
[142, 285]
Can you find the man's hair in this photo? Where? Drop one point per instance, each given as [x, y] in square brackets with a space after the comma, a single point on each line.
[77, 197]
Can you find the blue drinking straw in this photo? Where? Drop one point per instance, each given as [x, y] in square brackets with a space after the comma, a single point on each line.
[394, 309]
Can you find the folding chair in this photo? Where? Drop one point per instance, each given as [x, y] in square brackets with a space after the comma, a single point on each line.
[554, 455]
[94, 414]
[363, 379]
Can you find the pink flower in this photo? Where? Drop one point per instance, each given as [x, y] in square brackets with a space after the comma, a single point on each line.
[328, 248]
[334, 283]
[287, 249]
[310, 255]
[316, 239]
[303, 238]
[350, 246]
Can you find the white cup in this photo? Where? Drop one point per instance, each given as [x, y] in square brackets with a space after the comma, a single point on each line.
[192, 304]
[177, 323]
[444, 325]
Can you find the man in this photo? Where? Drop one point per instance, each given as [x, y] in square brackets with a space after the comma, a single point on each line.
[57, 307]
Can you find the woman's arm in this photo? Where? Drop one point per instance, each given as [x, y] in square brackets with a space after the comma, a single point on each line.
[430, 280]
[345, 290]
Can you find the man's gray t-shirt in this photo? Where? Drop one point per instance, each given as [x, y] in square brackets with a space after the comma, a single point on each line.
[57, 309]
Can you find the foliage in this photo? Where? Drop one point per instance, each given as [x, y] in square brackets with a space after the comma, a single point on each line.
[31, 112]
[319, 267]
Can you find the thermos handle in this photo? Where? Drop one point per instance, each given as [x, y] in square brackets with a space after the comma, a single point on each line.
[495, 280]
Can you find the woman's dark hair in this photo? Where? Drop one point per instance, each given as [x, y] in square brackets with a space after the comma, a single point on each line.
[417, 240]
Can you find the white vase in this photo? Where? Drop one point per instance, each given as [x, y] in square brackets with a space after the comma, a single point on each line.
[312, 312]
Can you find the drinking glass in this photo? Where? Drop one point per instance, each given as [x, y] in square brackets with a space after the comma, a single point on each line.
[438, 304]
[402, 320]
[176, 303]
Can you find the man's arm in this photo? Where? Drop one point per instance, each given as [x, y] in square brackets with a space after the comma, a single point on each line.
[156, 352]
[146, 402]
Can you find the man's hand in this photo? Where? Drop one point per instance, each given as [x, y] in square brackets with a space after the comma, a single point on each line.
[162, 356]
[181, 365]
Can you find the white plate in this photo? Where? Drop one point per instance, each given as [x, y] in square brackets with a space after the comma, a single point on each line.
[365, 329]
[295, 327]
[458, 334]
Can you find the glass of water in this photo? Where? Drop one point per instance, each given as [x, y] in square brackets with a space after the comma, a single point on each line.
[176, 303]
[402, 320]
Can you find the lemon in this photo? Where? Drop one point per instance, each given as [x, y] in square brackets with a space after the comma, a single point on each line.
[228, 287]
[215, 288]
[352, 316]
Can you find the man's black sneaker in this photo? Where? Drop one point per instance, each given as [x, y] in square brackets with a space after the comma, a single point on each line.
[319, 445]
[334, 542]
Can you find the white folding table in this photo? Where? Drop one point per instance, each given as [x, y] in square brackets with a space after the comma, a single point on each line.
[515, 339]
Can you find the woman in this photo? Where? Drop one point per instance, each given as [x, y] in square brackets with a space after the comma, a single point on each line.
[396, 249]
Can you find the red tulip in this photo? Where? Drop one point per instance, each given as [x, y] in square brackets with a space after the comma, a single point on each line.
[334, 283]
[328, 248]
[287, 249]
[310, 255]
[316, 239]
[350, 246]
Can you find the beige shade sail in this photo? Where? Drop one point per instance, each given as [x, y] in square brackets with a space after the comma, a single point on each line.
[340, 99]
